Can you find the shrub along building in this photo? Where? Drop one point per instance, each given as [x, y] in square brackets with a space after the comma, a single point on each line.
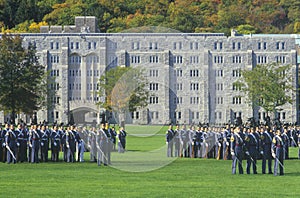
[190, 75]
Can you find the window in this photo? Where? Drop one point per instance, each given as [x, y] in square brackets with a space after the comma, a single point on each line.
[178, 59]
[236, 59]
[261, 59]
[178, 72]
[178, 86]
[219, 73]
[194, 59]
[237, 100]
[135, 59]
[219, 86]
[77, 45]
[236, 87]
[153, 100]
[218, 59]
[236, 73]
[194, 73]
[280, 59]
[178, 100]
[194, 86]
[54, 59]
[51, 45]
[153, 59]
[153, 86]
[219, 100]
[194, 100]
[153, 73]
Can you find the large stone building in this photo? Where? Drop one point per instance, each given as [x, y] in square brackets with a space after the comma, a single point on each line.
[190, 75]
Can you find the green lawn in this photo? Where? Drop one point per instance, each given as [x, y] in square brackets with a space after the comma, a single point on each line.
[144, 171]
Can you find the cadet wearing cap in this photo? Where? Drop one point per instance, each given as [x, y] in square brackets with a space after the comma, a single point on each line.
[237, 147]
[278, 153]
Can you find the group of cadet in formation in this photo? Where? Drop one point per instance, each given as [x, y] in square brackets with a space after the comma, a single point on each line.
[32, 143]
[236, 143]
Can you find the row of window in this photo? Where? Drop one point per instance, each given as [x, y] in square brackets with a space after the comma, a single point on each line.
[176, 45]
[76, 72]
[259, 59]
[91, 98]
[89, 86]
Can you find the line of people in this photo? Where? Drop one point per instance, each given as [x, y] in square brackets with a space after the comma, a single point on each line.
[223, 143]
[32, 143]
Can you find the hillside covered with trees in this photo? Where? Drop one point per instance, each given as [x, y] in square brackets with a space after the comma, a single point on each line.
[247, 16]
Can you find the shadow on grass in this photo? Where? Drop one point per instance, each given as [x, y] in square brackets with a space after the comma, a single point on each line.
[297, 174]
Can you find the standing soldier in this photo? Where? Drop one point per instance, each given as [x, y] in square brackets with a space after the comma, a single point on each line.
[237, 148]
[109, 142]
[34, 139]
[197, 144]
[55, 144]
[251, 145]
[10, 144]
[22, 141]
[4, 150]
[190, 144]
[176, 139]
[226, 143]
[44, 144]
[122, 140]
[81, 144]
[169, 141]
[102, 140]
[286, 143]
[93, 145]
[278, 153]
[113, 134]
[266, 142]
[183, 137]
[70, 144]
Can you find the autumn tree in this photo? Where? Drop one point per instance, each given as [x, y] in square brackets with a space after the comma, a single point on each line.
[22, 81]
[124, 90]
[268, 86]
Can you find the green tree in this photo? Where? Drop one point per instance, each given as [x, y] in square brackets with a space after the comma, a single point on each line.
[124, 90]
[268, 86]
[21, 77]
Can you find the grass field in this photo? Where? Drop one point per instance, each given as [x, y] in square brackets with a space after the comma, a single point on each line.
[144, 171]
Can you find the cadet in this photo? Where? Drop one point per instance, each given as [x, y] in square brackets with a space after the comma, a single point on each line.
[169, 141]
[102, 146]
[22, 142]
[286, 143]
[266, 140]
[237, 148]
[10, 144]
[109, 142]
[44, 144]
[278, 153]
[226, 142]
[70, 144]
[176, 139]
[183, 137]
[93, 144]
[122, 140]
[55, 144]
[81, 145]
[190, 143]
[113, 135]
[251, 145]
[34, 139]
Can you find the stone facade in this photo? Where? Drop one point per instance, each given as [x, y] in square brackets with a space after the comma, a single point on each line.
[190, 75]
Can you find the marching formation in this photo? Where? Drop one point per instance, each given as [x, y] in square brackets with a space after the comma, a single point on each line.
[237, 144]
[32, 144]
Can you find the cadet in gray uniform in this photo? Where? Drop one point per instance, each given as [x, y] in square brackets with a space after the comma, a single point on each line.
[92, 140]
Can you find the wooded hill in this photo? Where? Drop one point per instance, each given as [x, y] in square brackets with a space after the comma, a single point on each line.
[247, 16]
